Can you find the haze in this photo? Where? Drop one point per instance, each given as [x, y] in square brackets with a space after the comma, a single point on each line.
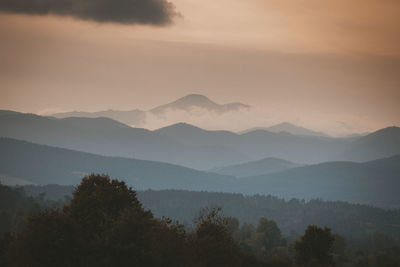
[331, 66]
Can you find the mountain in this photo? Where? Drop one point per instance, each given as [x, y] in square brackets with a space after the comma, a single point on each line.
[139, 118]
[316, 149]
[288, 128]
[259, 167]
[8, 180]
[382, 143]
[189, 134]
[43, 165]
[188, 102]
[375, 182]
[260, 143]
[107, 137]
[131, 117]
[193, 147]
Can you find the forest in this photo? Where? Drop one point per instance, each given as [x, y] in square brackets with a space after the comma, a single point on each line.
[353, 221]
[105, 224]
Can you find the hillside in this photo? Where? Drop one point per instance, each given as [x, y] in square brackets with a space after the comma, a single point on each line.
[107, 137]
[259, 167]
[288, 128]
[193, 147]
[43, 165]
[131, 117]
[374, 183]
[382, 143]
[292, 216]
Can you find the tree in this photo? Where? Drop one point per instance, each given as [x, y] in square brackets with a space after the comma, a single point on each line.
[212, 242]
[98, 201]
[104, 225]
[48, 239]
[268, 234]
[315, 247]
[232, 225]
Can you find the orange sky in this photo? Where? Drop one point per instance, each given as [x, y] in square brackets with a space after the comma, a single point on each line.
[305, 61]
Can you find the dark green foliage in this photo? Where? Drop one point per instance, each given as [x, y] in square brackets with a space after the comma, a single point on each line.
[292, 217]
[105, 225]
[15, 206]
[212, 241]
[268, 234]
[5, 241]
[315, 247]
[98, 201]
[48, 239]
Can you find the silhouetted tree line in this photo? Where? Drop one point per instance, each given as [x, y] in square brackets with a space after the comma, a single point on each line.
[104, 224]
[353, 221]
[15, 206]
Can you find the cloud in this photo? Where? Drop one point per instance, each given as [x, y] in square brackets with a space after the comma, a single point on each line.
[153, 12]
[244, 119]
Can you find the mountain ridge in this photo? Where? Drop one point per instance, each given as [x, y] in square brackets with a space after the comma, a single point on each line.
[54, 165]
[200, 101]
[191, 146]
[258, 167]
[374, 183]
[138, 118]
[289, 128]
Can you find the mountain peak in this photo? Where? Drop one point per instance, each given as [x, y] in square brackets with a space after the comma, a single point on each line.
[195, 100]
[293, 129]
[191, 101]
[179, 128]
[287, 127]
[195, 97]
[388, 132]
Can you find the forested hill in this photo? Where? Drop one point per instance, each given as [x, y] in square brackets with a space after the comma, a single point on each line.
[51, 165]
[293, 216]
[373, 183]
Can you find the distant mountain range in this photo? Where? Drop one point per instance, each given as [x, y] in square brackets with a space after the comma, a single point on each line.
[190, 146]
[107, 137]
[288, 128]
[131, 117]
[375, 182]
[39, 164]
[303, 149]
[188, 102]
[259, 167]
[382, 143]
[138, 117]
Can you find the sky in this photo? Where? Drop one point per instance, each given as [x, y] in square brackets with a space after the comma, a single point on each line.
[333, 66]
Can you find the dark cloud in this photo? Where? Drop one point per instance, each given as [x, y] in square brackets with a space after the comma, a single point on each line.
[156, 12]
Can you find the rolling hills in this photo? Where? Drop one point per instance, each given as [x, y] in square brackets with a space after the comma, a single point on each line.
[374, 183]
[259, 167]
[107, 137]
[40, 164]
[288, 128]
[190, 146]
